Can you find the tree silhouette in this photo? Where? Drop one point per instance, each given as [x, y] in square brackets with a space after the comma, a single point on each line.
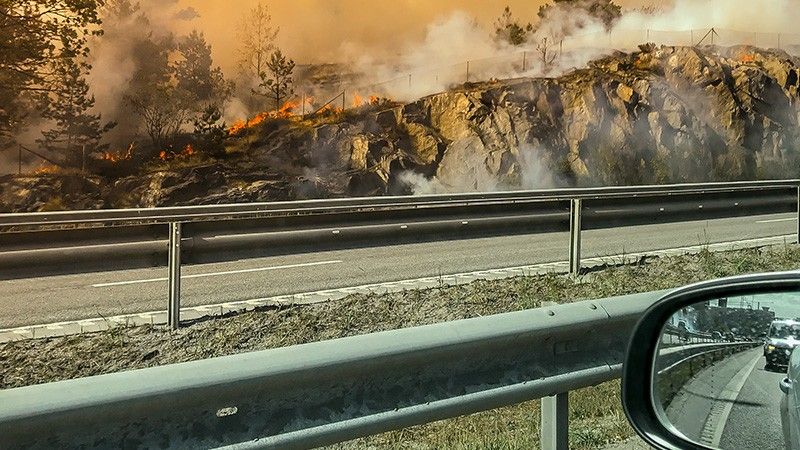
[547, 56]
[195, 72]
[76, 131]
[35, 34]
[508, 29]
[211, 130]
[606, 11]
[256, 38]
[276, 80]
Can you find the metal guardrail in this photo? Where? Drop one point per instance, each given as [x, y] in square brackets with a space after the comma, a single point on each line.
[327, 392]
[138, 236]
[222, 212]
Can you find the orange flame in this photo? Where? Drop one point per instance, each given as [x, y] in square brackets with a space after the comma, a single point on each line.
[287, 111]
[117, 157]
[46, 169]
[166, 155]
[747, 58]
[358, 100]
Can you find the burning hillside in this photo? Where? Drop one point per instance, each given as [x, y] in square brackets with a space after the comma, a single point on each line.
[662, 114]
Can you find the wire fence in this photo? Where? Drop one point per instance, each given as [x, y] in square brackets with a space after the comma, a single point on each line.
[558, 55]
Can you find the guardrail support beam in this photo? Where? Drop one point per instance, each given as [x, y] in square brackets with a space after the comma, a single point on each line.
[575, 236]
[554, 432]
[174, 311]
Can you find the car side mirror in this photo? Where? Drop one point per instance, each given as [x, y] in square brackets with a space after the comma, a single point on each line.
[693, 388]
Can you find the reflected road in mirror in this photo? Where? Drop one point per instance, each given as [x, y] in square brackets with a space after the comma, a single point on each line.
[736, 390]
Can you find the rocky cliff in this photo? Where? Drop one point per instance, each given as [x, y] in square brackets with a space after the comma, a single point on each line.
[660, 115]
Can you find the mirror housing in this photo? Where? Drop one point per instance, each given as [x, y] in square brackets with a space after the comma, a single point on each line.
[640, 361]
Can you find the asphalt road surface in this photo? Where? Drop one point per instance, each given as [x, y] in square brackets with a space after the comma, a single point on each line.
[102, 294]
[734, 404]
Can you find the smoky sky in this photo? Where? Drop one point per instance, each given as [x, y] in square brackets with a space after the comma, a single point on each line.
[321, 31]
[314, 31]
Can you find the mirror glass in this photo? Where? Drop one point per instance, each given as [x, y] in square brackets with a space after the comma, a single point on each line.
[726, 375]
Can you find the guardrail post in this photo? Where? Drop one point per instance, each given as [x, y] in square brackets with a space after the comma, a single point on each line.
[174, 311]
[575, 236]
[554, 433]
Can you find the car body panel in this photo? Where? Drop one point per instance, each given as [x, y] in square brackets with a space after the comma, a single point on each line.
[790, 414]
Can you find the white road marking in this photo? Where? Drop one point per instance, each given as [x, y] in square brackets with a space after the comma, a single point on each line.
[610, 211]
[788, 219]
[729, 395]
[216, 274]
[502, 272]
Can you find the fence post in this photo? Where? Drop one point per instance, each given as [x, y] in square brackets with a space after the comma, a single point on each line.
[554, 432]
[467, 71]
[798, 214]
[174, 311]
[575, 236]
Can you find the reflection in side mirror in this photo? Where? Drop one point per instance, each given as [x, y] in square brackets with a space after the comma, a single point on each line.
[724, 370]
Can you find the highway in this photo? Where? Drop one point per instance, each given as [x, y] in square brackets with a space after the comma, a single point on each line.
[102, 294]
[733, 404]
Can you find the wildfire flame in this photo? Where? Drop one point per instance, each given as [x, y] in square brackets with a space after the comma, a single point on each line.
[166, 155]
[331, 108]
[358, 100]
[290, 110]
[747, 58]
[117, 157]
[46, 169]
[287, 111]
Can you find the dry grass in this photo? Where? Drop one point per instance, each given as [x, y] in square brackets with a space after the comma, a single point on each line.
[596, 415]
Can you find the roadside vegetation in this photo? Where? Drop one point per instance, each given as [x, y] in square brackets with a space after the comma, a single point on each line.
[596, 415]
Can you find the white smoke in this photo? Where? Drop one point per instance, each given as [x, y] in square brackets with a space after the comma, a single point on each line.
[455, 49]
[476, 176]
[431, 65]
[112, 55]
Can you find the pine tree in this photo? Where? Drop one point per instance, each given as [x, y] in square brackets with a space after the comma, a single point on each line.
[508, 29]
[76, 131]
[256, 40]
[606, 11]
[34, 35]
[195, 72]
[277, 81]
[211, 130]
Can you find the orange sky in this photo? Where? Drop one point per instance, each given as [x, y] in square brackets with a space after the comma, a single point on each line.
[315, 30]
